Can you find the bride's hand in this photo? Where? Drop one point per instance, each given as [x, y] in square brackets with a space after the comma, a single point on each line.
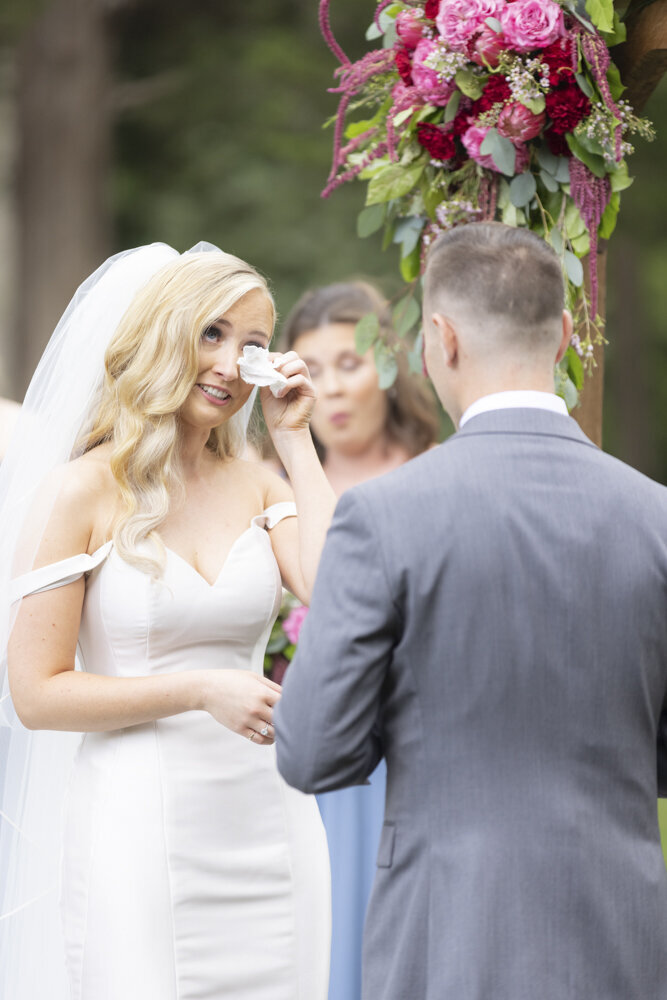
[243, 702]
[292, 409]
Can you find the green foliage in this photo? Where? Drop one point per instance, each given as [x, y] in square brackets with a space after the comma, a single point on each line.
[366, 332]
[601, 13]
[393, 182]
[501, 150]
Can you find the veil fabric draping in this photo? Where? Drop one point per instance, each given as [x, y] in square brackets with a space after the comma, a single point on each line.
[34, 766]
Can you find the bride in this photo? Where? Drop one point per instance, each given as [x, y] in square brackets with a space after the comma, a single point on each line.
[188, 868]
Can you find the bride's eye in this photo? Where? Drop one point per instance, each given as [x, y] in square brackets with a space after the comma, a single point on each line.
[212, 335]
[256, 343]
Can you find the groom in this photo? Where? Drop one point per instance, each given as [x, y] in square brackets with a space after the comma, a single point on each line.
[492, 618]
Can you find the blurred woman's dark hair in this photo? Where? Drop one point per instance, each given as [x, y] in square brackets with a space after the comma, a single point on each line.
[412, 414]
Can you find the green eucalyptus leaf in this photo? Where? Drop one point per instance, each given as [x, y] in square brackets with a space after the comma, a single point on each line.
[573, 224]
[370, 220]
[578, 9]
[373, 32]
[601, 13]
[366, 332]
[550, 183]
[386, 364]
[556, 240]
[570, 394]
[393, 182]
[415, 360]
[573, 268]
[522, 189]
[405, 315]
[390, 36]
[584, 84]
[510, 214]
[494, 24]
[426, 111]
[501, 150]
[452, 106]
[562, 173]
[407, 233]
[469, 83]
[547, 160]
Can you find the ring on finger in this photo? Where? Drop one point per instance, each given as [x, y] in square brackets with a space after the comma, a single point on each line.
[265, 730]
[252, 735]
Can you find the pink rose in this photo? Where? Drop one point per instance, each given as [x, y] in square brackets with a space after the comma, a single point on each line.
[409, 28]
[519, 124]
[294, 622]
[405, 95]
[531, 24]
[459, 20]
[426, 80]
[473, 138]
[487, 47]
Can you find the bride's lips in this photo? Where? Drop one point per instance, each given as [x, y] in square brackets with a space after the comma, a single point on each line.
[216, 399]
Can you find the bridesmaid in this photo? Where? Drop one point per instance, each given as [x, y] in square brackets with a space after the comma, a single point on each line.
[360, 432]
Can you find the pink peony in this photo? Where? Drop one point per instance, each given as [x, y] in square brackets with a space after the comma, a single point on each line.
[531, 24]
[487, 47]
[519, 124]
[459, 20]
[294, 622]
[409, 28]
[425, 79]
[473, 138]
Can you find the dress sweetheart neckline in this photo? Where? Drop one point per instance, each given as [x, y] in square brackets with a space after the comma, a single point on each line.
[172, 552]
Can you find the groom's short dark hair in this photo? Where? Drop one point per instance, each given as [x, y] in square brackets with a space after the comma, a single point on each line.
[506, 272]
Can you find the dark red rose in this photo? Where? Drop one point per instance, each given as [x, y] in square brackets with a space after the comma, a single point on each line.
[431, 8]
[566, 106]
[557, 144]
[279, 669]
[496, 91]
[558, 57]
[404, 66]
[439, 144]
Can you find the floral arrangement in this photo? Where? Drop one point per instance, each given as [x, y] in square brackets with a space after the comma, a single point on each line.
[284, 636]
[480, 110]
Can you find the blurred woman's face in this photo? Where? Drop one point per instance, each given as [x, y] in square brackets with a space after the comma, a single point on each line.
[351, 410]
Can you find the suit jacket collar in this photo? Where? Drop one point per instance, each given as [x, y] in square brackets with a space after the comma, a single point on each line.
[525, 420]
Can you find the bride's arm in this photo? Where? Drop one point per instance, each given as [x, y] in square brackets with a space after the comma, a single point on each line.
[49, 694]
[297, 547]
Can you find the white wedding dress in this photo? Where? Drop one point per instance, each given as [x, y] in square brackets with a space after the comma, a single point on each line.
[191, 871]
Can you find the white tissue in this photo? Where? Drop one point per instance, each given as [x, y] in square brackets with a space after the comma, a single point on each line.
[257, 368]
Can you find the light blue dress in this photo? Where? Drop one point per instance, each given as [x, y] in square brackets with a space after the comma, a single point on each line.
[353, 821]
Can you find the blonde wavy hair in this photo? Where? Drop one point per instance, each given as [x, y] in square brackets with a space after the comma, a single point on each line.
[151, 366]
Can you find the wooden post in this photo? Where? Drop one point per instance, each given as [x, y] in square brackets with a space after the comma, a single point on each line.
[642, 60]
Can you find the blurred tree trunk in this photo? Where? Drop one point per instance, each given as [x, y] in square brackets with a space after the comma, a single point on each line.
[628, 375]
[63, 83]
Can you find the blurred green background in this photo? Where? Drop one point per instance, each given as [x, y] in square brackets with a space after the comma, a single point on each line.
[128, 121]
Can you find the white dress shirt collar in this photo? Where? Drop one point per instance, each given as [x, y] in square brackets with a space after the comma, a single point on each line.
[515, 399]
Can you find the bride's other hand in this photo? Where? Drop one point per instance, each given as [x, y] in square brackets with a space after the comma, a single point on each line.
[243, 702]
[292, 408]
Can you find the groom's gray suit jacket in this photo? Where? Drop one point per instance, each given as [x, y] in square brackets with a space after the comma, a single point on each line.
[492, 617]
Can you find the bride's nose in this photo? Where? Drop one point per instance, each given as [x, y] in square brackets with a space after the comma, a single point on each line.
[225, 362]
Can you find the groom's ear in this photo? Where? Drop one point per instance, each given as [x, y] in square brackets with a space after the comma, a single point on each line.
[448, 338]
[568, 327]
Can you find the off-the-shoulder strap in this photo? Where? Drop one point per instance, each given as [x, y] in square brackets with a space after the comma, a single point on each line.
[57, 574]
[270, 517]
